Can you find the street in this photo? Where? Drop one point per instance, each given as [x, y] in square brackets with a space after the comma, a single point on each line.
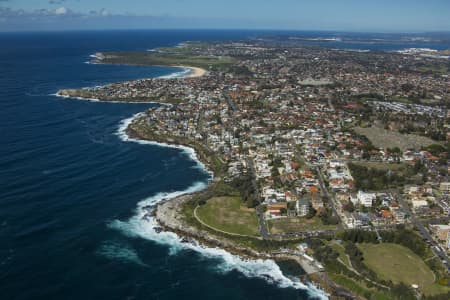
[424, 233]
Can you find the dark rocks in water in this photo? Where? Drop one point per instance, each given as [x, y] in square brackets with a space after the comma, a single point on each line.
[267, 277]
[146, 217]
[150, 210]
[190, 240]
[157, 229]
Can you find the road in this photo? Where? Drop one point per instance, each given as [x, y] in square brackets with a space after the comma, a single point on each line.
[440, 220]
[259, 209]
[262, 223]
[324, 190]
[424, 233]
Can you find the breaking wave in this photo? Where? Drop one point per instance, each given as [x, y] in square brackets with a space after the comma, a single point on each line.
[178, 74]
[143, 225]
[187, 150]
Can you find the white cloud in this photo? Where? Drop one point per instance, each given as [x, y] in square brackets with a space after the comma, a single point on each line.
[61, 11]
[104, 12]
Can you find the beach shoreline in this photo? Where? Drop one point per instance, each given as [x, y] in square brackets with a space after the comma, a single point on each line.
[194, 71]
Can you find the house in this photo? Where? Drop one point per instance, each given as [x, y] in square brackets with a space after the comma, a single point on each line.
[419, 203]
[313, 189]
[363, 198]
[302, 207]
[355, 220]
[317, 203]
[399, 215]
[274, 210]
[445, 187]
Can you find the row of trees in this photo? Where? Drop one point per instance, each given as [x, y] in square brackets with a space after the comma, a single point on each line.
[406, 238]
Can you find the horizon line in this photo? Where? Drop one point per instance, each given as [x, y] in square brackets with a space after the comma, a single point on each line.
[229, 29]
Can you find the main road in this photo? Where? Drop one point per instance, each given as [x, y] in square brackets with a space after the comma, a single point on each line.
[259, 209]
[324, 190]
[424, 233]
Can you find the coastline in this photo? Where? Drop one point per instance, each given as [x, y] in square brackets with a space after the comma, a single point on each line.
[86, 94]
[163, 216]
[194, 71]
[165, 213]
[167, 217]
[98, 58]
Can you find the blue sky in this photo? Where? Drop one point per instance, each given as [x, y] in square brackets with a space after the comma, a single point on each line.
[347, 15]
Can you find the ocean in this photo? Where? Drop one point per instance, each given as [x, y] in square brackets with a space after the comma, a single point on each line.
[72, 184]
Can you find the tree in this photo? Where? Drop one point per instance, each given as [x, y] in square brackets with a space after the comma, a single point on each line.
[403, 292]
[311, 213]
[350, 207]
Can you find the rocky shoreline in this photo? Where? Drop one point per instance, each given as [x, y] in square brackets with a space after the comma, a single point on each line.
[169, 217]
[169, 214]
[85, 94]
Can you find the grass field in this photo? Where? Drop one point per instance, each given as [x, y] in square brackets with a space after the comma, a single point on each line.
[397, 263]
[383, 138]
[229, 214]
[296, 224]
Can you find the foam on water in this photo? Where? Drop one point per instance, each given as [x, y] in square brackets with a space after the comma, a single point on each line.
[121, 132]
[178, 74]
[95, 56]
[143, 225]
[120, 251]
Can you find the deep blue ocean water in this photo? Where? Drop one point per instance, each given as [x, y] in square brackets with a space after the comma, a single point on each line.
[70, 186]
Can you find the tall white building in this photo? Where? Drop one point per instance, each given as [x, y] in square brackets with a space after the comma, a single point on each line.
[364, 198]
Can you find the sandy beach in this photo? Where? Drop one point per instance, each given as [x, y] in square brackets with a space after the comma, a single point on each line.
[195, 71]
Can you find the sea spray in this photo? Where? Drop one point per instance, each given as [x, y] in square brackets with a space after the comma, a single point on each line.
[187, 150]
[143, 226]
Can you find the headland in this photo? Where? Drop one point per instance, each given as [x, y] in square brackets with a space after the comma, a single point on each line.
[294, 178]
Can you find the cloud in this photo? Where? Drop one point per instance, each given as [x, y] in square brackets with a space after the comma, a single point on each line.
[62, 18]
[61, 11]
[37, 14]
[57, 2]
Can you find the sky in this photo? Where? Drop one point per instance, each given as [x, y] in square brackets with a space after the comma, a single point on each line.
[334, 15]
